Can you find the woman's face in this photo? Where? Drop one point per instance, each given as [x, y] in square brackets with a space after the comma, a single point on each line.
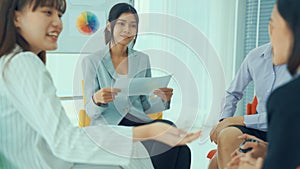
[40, 28]
[125, 29]
[281, 38]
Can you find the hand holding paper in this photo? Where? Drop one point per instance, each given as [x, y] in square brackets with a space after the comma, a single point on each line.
[105, 95]
[142, 86]
[164, 93]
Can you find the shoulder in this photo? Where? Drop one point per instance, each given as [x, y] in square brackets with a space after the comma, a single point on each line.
[97, 55]
[24, 66]
[292, 88]
[259, 57]
[286, 96]
[24, 60]
[261, 51]
[139, 54]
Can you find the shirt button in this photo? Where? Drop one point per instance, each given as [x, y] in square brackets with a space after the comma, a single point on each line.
[126, 110]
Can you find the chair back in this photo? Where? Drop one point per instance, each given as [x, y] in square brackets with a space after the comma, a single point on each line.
[83, 119]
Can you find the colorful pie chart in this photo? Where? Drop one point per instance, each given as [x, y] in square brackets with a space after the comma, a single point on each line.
[87, 23]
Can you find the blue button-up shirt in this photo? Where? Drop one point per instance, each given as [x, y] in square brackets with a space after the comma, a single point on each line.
[257, 67]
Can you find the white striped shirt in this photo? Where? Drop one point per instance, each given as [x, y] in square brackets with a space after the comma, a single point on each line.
[36, 133]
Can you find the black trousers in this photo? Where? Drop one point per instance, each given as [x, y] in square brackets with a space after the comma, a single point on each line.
[162, 155]
[257, 133]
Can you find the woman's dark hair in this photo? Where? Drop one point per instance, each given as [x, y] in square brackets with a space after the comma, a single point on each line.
[9, 35]
[290, 12]
[115, 12]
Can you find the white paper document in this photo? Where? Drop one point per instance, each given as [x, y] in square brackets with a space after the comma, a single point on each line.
[141, 86]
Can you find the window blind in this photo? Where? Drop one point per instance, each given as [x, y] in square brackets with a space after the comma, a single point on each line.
[258, 13]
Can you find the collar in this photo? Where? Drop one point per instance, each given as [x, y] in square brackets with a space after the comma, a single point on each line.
[267, 53]
[107, 62]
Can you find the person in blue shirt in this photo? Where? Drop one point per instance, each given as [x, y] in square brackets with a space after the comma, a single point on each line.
[35, 130]
[118, 59]
[267, 72]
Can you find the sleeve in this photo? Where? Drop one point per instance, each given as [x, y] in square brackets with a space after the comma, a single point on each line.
[156, 104]
[257, 121]
[41, 109]
[91, 86]
[236, 89]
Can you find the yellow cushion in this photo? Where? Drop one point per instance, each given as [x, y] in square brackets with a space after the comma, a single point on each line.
[83, 119]
[156, 116]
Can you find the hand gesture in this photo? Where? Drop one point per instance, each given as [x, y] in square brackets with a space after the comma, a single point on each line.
[214, 133]
[105, 95]
[164, 93]
[245, 161]
[259, 148]
[165, 133]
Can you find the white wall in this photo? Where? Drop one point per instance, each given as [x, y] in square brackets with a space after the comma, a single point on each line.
[217, 20]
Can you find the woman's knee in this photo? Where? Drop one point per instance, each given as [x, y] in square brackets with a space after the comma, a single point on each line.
[228, 135]
[184, 153]
[185, 150]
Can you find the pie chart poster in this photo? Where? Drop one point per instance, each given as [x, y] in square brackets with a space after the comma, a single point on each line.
[84, 19]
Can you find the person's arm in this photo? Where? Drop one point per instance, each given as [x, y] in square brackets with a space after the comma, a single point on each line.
[236, 89]
[41, 109]
[31, 90]
[164, 133]
[91, 86]
[256, 121]
[230, 121]
[258, 148]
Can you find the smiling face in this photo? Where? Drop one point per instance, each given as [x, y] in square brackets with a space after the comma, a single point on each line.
[281, 38]
[40, 28]
[125, 29]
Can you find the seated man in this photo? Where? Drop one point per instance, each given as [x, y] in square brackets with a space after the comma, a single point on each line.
[267, 72]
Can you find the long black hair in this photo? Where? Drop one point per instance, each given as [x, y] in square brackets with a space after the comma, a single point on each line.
[9, 35]
[115, 12]
[290, 12]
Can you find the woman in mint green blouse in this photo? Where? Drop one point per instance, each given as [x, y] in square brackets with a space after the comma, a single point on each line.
[117, 60]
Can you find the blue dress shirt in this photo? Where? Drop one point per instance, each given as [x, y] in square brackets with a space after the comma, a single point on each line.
[257, 67]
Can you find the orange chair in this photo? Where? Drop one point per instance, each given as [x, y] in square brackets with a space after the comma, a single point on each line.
[84, 120]
[250, 109]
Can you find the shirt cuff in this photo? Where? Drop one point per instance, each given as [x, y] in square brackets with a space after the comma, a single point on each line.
[256, 121]
[167, 104]
[93, 110]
